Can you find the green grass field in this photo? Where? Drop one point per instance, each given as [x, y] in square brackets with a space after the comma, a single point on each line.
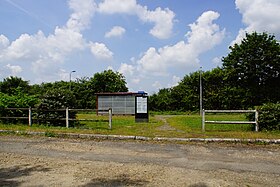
[183, 126]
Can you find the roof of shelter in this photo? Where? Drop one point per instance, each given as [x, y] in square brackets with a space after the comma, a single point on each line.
[121, 93]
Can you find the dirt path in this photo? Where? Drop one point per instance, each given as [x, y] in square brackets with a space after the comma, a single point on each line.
[39, 161]
[165, 126]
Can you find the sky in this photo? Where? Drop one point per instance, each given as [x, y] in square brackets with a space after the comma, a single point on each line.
[154, 44]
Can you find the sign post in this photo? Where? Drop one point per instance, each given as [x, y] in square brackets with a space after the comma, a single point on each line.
[141, 109]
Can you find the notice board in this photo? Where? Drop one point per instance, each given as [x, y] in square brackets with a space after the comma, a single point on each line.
[141, 109]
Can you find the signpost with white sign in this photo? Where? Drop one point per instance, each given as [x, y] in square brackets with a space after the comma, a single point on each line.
[141, 109]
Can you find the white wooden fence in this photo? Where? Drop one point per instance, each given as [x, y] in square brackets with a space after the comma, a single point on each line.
[67, 119]
[230, 122]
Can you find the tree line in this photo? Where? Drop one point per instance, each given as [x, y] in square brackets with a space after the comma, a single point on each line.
[16, 92]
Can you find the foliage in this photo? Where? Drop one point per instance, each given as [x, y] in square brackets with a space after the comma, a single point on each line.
[18, 100]
[83, 93]
[50, 102]
[13, 85]
[269, 116]
[108, 81]
[161, 101]
[253, 67]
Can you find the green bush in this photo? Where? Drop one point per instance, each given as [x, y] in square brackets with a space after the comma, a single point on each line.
[269, 116]
[18, 100]
[48, 110]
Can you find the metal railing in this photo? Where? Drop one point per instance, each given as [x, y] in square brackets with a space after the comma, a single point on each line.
[66, 119]
[230, 122]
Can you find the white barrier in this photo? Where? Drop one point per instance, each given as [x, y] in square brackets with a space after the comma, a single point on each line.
[230, 122]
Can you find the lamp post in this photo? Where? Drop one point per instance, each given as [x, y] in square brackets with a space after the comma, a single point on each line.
[200, 92]
[70, 78]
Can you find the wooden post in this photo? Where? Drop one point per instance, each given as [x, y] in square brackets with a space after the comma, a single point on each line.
[257, 120]
[203, 120]
[110, 118]
[67, 117]
[29, 116]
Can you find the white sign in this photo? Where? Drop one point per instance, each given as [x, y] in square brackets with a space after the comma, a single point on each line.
[142, 106]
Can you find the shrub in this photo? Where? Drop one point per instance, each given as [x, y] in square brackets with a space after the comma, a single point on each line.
[53, 100]
[269, 116]
[18, 100]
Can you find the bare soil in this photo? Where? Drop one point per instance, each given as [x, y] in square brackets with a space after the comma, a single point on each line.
[42, 161]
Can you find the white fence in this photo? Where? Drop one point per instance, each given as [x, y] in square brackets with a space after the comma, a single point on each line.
[67, 119]
[230, 122]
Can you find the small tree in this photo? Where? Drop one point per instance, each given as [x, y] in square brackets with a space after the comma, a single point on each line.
[50, 102]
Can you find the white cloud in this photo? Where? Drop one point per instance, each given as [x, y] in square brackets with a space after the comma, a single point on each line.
[260, 16]
[45, 53]
[204, 35]
[14, 69]
[117, 6]
[162, 18]
[116, 31]
[126, 69]
[82, 14]
[100, 51]
[38, 47]
[4, 42]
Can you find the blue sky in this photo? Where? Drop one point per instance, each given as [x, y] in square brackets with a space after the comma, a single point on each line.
[153, 43]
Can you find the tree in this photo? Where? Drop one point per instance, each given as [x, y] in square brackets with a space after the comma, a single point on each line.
[83, 92]
[11, 85]
[185, 95]
[108, 81]
[253, 68]
[161, 101]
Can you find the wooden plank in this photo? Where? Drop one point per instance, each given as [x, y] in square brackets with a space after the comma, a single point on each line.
[230, 111]
[13, 117]
[231, 122]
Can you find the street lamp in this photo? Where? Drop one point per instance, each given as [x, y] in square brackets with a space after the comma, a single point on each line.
[200, 92]
[70, 78]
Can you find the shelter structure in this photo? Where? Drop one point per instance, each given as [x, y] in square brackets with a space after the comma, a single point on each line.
[122, 103]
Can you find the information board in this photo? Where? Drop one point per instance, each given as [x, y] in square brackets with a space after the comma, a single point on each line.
[142, 105]
[141, 109]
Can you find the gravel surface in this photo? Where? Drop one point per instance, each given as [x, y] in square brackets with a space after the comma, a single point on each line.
[42, 161]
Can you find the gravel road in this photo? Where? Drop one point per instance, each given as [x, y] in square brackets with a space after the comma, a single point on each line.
[42, 161]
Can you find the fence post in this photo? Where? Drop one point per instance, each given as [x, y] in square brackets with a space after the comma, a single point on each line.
[67, 117]
[29, 116]
[257, 120]
[203, 120]
[110, 118]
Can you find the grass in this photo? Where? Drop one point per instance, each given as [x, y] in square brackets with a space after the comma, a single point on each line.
[184, 126]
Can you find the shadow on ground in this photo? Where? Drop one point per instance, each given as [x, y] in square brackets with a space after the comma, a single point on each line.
[121, 180]
[201, 184]
[9, 176]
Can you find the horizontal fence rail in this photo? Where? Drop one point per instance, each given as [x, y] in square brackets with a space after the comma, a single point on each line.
[230, 122]
[66, 119]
